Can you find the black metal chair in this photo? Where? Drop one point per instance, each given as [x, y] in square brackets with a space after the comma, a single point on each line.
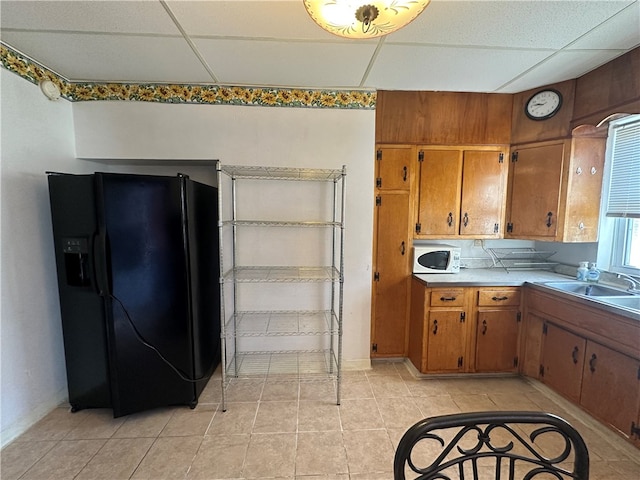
[508, 444]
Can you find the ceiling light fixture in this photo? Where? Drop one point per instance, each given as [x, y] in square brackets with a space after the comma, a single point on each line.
[363, 19]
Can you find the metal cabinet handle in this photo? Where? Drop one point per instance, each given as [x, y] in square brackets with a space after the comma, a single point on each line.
[404, 173]
[402, 248]
[592, 363]
[447, 299]
[450, 219]
[549, 215]
[435, 327]
[574, 355]
[465, 219]
[499, 299]
[484, 327]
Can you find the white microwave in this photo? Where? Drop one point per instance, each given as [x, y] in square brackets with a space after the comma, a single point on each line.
[436, 258]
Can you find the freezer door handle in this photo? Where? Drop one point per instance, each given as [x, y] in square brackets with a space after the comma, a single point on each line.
[99, 255]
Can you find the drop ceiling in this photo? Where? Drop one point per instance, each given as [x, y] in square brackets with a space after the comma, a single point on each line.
[473, 46]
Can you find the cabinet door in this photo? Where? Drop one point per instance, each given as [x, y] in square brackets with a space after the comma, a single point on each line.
[483, 193]
[447, 338]
[610, 387]
[440, 184]
[563, 360]
[393, 272]
[535, 191]
[497, 340]
[392, 167]
[532, 345]
[582, 211]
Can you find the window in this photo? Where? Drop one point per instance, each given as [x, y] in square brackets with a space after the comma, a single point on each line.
[619, 247]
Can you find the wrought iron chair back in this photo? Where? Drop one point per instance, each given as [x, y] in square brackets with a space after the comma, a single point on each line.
[510, 445]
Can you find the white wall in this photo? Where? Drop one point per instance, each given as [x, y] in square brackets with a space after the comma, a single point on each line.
[239, 135]
[37, 135]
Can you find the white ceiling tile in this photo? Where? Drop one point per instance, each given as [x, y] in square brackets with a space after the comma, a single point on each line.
[88, 16]
[562, 66]
[515, 24]
[114, 58]
[619, 32]
[256, 19]
[286, 63]
[448, 69]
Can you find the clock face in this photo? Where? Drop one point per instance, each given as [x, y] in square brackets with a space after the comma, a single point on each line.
[544, 104]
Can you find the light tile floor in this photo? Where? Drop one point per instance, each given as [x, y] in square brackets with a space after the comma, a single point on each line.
[289, 430]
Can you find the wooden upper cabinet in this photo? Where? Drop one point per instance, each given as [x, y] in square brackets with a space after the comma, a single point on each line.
[439, 191]
[461, 192]
[555, 188]
[483, 193]
[443, 118]
[393, 164]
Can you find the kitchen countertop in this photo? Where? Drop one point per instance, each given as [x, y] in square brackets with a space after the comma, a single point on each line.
[488, 277]
[499, 277]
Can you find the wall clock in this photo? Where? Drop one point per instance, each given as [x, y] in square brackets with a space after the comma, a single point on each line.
[543, 104]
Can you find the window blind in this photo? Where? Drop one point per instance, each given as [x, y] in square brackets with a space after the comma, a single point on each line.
[624, 187]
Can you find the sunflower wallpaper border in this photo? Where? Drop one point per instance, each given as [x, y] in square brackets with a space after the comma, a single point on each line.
[32, 71]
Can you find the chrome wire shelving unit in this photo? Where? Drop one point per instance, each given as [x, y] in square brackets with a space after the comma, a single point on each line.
[281, 316]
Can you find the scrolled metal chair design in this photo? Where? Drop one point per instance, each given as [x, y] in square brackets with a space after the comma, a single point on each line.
[509, 452]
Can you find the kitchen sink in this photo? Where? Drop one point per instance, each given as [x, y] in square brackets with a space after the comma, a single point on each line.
[587, 289]
[632, 302]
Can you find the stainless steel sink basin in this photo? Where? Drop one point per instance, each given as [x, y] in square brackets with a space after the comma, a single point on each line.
[587, 289]
[632, 302]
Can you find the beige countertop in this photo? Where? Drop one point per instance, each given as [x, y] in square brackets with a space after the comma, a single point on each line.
[488, 277]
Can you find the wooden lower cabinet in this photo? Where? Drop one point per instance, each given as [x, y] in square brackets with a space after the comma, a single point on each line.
[497, 340]
[446, 340]
[464, 329]
[611, 387]
[588, 355]
[497, 328]
[563, 361]
[438, 328]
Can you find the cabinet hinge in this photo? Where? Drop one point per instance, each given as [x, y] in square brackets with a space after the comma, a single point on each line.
[378, 201]
[379, 182]
[514, 156]
[379, 155]
[374, 347]
[518, 316]
[544, 329]
[501, 158]
[460, 360]
[418, 227]
[421, 156]
[638, 373]
[509, 227]
[496, 227]
[515, 361]
[376, 277]
[635, 430]
[541, 371]
[463, 316]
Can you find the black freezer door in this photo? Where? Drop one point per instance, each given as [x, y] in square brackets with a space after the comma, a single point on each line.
[82, 310]
[150, 336]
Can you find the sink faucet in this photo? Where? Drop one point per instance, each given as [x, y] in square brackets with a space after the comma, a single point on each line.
[633, 283]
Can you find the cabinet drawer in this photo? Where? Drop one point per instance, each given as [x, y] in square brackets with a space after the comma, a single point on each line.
[447, 297]
[499, 297]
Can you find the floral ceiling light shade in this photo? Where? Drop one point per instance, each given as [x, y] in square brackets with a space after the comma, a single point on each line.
[363, 19]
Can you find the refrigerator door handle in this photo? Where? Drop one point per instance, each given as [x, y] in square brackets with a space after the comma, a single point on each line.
[99, 254]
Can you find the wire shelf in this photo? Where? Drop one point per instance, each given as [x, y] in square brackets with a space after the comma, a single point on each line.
[521, 259]
[281, 173]
[260, 274]
[283, 323]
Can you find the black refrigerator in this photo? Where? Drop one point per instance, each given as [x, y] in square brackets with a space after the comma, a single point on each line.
[137, 259]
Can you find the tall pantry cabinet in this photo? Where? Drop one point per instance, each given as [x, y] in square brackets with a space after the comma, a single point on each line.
[392, 250]
[282, 273]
